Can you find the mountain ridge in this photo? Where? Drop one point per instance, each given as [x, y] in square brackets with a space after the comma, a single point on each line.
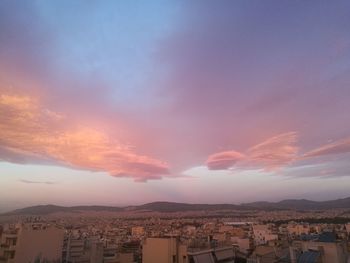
[303, 204]
[166, 207]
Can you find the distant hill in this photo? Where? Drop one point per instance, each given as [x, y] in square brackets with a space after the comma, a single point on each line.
[302, 204]
[49, 209]
[167, 207]
[178, 207]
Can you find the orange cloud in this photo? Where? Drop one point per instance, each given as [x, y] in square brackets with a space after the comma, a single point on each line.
[29, 131]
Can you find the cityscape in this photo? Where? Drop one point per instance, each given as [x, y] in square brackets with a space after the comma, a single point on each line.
[171, 131]
[179, 233]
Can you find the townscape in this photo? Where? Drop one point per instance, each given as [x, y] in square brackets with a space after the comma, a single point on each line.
[252, 236]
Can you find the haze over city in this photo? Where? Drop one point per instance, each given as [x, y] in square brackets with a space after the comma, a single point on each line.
[124, 103]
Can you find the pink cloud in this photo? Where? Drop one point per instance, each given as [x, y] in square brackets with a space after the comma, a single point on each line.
[223, 160]
[281, 151]
[273, 153]
[31, 132]
[337, 147]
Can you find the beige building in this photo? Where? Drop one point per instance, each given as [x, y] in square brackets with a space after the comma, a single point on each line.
[169, 250]
[38, 241]
[164, 250]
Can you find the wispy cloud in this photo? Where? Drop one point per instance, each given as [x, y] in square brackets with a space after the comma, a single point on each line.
[223, 160]
[37, 182]
[337, 147]
[29, 131]
[282, 153]
[326, 169]
[275, 152]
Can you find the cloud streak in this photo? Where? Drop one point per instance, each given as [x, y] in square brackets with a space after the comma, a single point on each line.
[37, 182]
[337, 147]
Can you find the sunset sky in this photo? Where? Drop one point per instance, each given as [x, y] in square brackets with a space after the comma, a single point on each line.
[128, 102]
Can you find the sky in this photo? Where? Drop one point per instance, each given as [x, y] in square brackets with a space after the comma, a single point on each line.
[128, 102]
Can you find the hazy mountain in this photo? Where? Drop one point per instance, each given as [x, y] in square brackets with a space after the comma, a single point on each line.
[302, 204]
[177, 207]
[291, 204]
[49, 209]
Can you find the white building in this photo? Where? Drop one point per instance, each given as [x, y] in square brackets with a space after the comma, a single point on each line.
[262, 234]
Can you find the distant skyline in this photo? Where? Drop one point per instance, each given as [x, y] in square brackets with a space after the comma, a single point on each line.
[127, 102]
